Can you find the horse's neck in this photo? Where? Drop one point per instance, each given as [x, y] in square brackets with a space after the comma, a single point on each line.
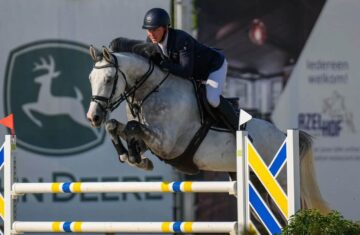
[136, 67]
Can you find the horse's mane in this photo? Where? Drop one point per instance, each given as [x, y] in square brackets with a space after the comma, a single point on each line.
[142, 48]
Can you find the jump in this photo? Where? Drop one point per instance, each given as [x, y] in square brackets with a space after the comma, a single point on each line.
[163, 116]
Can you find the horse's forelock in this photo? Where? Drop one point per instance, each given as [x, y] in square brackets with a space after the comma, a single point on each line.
[99, 57]
[102, 62]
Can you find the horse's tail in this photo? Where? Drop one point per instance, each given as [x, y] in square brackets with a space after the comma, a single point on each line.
[310, 193]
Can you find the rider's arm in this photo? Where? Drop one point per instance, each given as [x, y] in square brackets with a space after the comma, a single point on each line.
[186, 60]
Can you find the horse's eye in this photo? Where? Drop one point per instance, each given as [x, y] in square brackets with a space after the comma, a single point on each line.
[108, 79]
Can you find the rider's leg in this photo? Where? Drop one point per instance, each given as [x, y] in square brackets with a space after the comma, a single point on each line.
[214, 87]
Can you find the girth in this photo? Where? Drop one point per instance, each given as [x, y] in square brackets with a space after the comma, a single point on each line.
[184, 162]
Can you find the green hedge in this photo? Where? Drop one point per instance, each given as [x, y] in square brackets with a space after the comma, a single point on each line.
[312, 222]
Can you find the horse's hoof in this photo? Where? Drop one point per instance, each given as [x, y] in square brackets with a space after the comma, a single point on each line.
[149, 166]
[123, 158]
[134, 159]
[145, 165]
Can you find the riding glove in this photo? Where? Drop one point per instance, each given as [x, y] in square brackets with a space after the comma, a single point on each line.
[165, 65]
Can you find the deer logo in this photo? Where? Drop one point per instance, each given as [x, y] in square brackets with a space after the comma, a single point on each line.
[46, 89]
[50, 105]
[335, 107]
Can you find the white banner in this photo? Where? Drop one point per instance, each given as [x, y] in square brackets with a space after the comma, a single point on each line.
[322, 98]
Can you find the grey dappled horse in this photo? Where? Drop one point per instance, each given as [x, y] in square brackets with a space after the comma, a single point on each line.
[169, 118]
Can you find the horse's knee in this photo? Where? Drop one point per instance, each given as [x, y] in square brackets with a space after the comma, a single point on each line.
[132, 128]
[111, 126]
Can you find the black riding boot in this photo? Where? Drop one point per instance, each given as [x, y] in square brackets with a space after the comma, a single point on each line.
[227, 114]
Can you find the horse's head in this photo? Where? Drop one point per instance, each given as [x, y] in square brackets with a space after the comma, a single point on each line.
[108, 82]
[117, 76]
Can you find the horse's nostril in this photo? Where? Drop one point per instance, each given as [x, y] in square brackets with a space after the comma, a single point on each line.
[96, 118]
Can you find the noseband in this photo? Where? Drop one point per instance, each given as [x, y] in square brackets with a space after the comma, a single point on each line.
[110, 106]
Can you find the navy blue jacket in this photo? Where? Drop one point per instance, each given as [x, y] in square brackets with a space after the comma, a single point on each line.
[189, 58]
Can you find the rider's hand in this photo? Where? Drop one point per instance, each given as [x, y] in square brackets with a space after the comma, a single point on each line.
[156, 58]
[165, 65]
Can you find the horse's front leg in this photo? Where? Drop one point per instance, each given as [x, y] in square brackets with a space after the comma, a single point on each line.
[138, 148]
[114, 129]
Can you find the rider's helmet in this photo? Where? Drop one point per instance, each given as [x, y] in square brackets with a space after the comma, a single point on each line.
[155, 18]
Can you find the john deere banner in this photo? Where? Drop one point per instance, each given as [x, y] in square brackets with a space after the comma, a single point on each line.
[44, 70]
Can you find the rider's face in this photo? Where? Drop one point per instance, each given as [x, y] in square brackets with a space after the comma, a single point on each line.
[156, 35]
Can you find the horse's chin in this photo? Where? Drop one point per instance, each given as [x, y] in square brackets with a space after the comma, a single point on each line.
[99, 123]
[96, 122]
[96, 125]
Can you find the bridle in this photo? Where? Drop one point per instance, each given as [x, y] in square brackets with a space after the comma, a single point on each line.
[100, 100]
[110, 106]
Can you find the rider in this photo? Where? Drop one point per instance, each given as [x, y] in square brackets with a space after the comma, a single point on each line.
[184, 56]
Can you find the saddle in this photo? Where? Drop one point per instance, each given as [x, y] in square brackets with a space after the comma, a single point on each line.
[209, 121]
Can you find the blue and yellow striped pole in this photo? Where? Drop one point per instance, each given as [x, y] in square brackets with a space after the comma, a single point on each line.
[122, 187]
[125, 227]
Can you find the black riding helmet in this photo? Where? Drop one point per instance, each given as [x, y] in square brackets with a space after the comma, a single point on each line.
[155, 18]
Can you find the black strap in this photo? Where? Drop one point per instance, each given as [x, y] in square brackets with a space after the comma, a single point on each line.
[155, 88]
[185, 162]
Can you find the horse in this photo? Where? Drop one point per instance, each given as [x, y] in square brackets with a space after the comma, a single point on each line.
[163, 116]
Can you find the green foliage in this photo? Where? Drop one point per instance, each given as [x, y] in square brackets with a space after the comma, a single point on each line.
[312, 222]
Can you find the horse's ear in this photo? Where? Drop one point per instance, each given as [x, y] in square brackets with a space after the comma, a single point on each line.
[107, 54]
[93, 53]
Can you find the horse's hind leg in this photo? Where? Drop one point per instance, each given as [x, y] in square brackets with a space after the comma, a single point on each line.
[145, 162]
[137, 148]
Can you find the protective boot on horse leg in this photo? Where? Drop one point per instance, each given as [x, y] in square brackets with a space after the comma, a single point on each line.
[137, 147]
[112, 128]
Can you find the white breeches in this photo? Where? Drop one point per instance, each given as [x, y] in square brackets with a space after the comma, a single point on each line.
[215, 85]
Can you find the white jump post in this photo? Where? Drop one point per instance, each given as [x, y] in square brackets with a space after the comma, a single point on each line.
[293, 171]
[242, 188]
[242, 174]
[9, 146]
